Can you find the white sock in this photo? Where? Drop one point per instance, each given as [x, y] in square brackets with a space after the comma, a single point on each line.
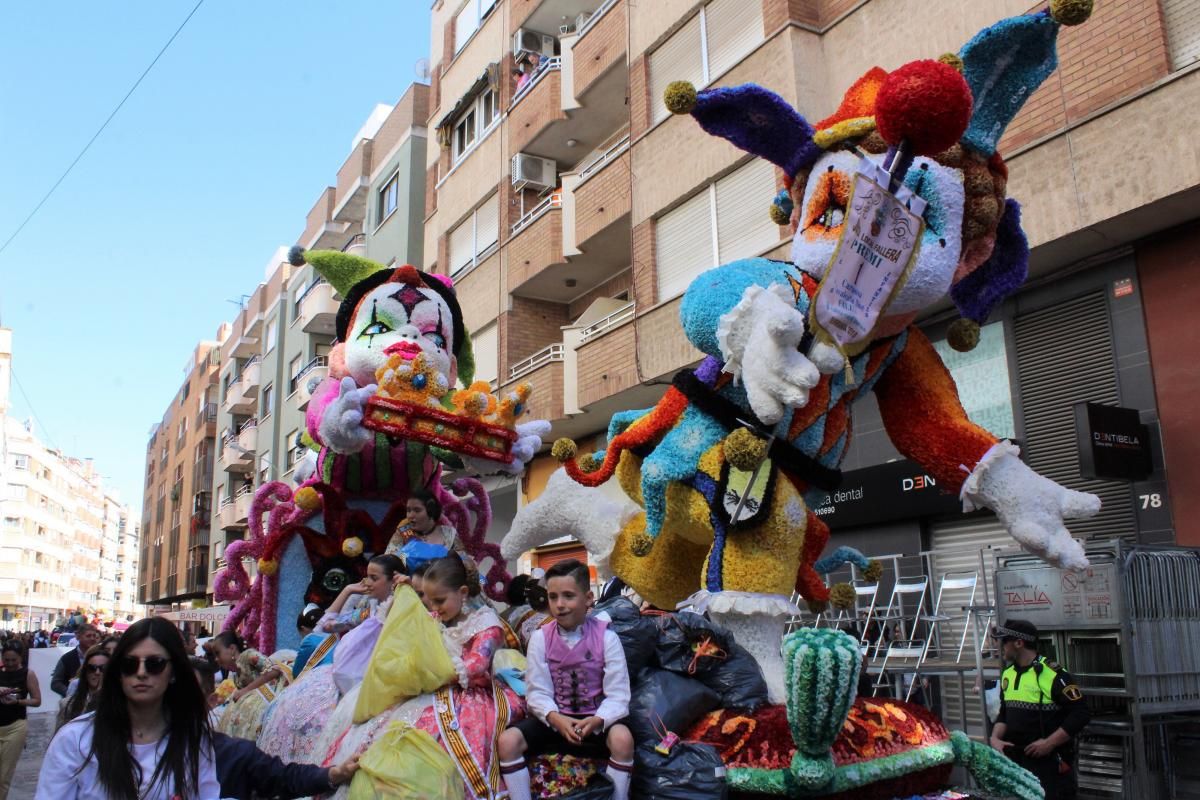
[516, 778]
[619, 773]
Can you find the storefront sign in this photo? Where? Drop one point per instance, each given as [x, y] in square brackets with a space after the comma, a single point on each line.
[1053, 598]
[214, 615]
[888, 492]
[1113, 443]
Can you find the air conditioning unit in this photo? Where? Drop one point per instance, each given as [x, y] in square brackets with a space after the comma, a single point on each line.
[582, 20]
[533, 172]
[527, 41]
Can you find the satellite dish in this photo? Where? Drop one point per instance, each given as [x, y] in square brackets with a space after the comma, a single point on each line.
[422, 69]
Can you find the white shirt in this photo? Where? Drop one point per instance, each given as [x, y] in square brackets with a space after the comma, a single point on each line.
[72, 746]
[539, 690]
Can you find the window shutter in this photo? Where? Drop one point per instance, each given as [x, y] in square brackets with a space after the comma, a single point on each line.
[485, 7]
[744, 226]
[1182, 19]
[462, 241]
[677, 59]
[487, 224]
[684, 244]
[734, 28]
[465, 24]
[486, 344]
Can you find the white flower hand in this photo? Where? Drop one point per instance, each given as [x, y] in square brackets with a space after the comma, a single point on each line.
[341, 427]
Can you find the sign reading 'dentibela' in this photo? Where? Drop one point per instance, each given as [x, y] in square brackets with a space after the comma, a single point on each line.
[880, 238]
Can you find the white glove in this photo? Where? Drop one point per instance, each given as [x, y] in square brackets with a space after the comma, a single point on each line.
[759, 340]
[341, 427]
[529, 441]
[1032, 508]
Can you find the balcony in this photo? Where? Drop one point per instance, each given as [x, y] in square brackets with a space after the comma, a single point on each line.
[535, 108]
[598, 51]
[353, 185]
[544, 370]
[318, 309]
[234, 458]
[356, 245]
[321, 232]
[307, 380]
[207, 419]
[247, 437]
[227, 515]
[536, 244]
[247, 386]
[606, 357]
[241, 503]
[234, 403]
[601, 196]
[245, 342]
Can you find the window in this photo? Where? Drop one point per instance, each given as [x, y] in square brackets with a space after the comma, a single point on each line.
[714, 227]
[15, 491]
[272, 333]
[294, 452]
[468, 20]
[486, 343]
[268, 399]
[475, 236]
[14, 523]
[389, 197]
[294, 370]
[1182, 18]
[20, 461]
[707, 46]
[264, 469]
[480, 116]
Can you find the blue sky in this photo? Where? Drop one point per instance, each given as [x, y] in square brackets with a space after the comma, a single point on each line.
[211, 165]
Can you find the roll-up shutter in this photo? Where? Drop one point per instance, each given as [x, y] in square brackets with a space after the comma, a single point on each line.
[487, 224]
[548, 558]
[1182, 18]
[1065, 356]
[462, 245]
[465, 24]
[677, 59]
[743, 228]
[733, 28]
[684, 244]
[486, 345]
[957, 546]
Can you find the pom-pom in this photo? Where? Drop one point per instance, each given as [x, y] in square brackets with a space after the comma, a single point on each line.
[1070, 12]
[296, 256]
[590, 463]
[817, 606]
[352, 547]
[779, 216]
[268, 566]
[952, 60]
[640, 544]
[680, 97]
[841, 595]
[963, 335]
[926, 104]
[873, 572]
[307, 498]
[563, 450]
[744, 450]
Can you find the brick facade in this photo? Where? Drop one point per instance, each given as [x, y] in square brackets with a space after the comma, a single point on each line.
[536, 111]
[610, 288]
[534, 249]
[662, 346]
[607, 365]
[639, 103]
[602, 200]
[777, 13]
[546, 402]
[602, 49]
[528, 326]
[645, 279]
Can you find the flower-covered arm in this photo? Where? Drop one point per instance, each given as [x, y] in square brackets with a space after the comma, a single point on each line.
[477, 657]
[335, 414]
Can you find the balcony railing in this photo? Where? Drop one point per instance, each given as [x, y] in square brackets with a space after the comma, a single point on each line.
[317, 282]
[544, 68]
[552, 200]
[358, 240]
[604, 158]
[208, 413]
[296, 382]
[613, 320]
[547, 355]
[595, 17]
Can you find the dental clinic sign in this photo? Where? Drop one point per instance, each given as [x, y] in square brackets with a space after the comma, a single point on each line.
[896, 490]
[1113, 442]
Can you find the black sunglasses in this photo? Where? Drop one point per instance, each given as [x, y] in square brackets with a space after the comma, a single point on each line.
[154, 665]
[100, 668]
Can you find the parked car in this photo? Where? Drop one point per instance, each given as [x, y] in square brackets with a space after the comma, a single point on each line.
[67, 640]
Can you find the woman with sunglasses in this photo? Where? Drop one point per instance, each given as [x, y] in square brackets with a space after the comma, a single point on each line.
[148, 738]
[19, 690]
[87, 686]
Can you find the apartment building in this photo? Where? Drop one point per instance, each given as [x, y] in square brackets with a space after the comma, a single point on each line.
[279, 344]
[572, 211]
[176, 520]
[61, 529]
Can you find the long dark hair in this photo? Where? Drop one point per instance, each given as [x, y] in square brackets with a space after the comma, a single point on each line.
[184, 709]
[78, 702]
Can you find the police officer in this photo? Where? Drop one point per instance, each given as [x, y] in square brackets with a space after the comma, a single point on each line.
[1041, 711]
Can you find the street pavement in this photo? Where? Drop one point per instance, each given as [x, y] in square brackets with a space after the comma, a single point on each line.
[41, 730]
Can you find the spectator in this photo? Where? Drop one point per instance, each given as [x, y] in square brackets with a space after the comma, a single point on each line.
[130, 748]
[19, 690]
[68, 666]
[41, 639]
[87, 686]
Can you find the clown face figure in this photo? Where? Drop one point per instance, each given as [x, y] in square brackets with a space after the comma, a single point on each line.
[405, 320]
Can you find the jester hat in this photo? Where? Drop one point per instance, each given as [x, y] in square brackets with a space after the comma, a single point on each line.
[353, 276]
[1000, 67]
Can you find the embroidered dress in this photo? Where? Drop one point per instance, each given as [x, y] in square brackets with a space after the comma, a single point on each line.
[243, 719]
[293, 721]
[529, 623]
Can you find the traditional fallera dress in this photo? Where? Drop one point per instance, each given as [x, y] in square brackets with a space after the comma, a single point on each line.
[243, 718]
[291, 724]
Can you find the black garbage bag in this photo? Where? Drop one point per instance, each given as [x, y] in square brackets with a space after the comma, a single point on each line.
[638, 634]
[666, 701]
[690, 772]
[598, 788]
[692, 644]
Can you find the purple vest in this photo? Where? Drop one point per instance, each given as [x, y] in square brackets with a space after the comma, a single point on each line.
[577, 672]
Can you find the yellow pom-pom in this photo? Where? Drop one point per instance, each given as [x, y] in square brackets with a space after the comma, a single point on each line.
[352, 547]
[817, 606]
[1070, 12]
[744, 450]
[590, 463]
[641, 544]
[841, 595]
[307, 498]
[873, 572]
[563, 450]
[779, 216]
[267, 567]
[963, 335]
[952, 60]
[680, 97]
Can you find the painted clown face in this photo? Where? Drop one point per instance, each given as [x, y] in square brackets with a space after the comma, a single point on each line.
[400, 319]
[822, 214]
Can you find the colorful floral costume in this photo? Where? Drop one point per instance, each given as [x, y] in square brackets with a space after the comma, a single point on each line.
[243, 719]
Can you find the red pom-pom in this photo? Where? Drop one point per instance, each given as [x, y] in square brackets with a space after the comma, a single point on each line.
[926, 103]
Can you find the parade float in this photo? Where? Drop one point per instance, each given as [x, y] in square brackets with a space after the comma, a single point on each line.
[897, 202]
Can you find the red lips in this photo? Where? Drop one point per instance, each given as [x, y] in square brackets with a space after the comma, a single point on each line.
[406, 350]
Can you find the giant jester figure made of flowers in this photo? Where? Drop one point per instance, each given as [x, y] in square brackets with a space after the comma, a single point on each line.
[382, 426]
[730, 463]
